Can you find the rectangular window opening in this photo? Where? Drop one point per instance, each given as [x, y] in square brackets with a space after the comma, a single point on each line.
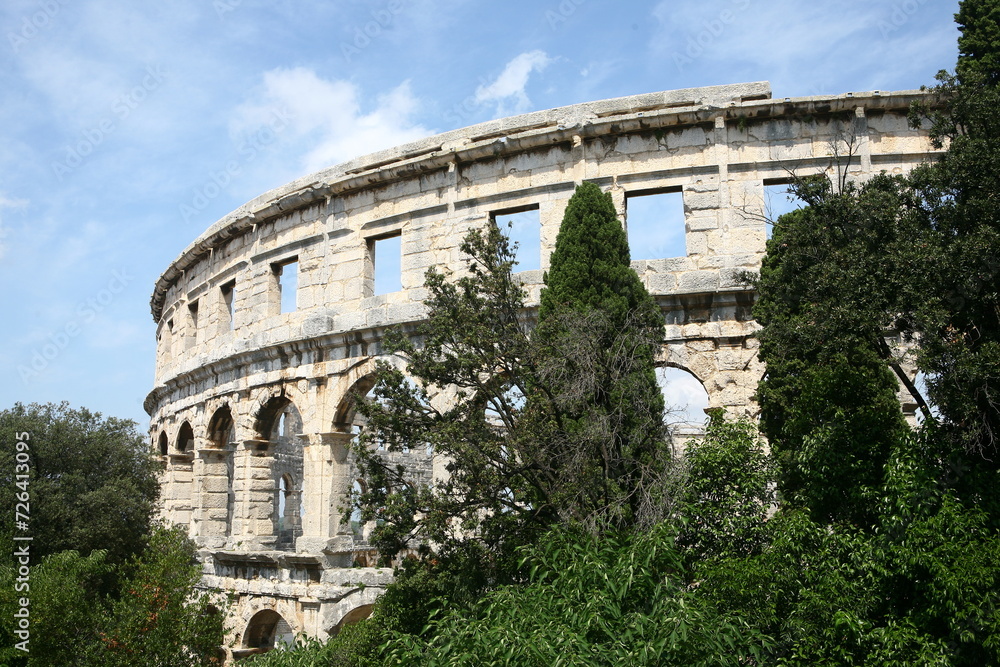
[655, 223]
[385, 255]
[192, 337]
[229, 305]
[287, 276]
[778, 200]
[522, 226]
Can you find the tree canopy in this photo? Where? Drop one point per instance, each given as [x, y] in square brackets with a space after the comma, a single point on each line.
[92, 483]
[107, 586]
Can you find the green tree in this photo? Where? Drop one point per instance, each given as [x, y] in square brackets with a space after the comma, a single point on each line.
[155, 615]
[613, 422]
[106, 586]
[956, 306]
[914, 256]
[727, 494]
[160, 617]
[91, 481]
[828, 400]
[897, 558]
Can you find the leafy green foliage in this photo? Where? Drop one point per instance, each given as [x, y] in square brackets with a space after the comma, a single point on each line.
[611, 600]
[828, 402]
[159, 618]
[884, 545]
[959, 318]
[155, 617]
[473, 369]
[92, 483]
[65, 614]
[589, 267]
[728, 492]
[918, 589]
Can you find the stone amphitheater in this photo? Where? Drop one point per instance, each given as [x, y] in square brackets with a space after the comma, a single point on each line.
[270, 321]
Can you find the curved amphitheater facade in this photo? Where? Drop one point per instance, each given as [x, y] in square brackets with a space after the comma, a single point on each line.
[251, 409]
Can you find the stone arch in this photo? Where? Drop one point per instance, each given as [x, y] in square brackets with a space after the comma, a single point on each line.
[221, 427]
[357, 381]
[357, 384]
[686, 397]
[266, 417]
[163, 443]
[185, 438]
[356, 615]
[266, 630]
[265, 401]
[727, 367]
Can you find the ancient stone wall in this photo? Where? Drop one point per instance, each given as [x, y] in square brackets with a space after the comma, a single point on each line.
[251, 409]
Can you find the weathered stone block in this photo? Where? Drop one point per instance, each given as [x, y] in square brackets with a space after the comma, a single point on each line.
[699, 281]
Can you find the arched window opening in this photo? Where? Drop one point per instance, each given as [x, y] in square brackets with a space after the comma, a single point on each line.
[221, 427]
[163, 443]
[346, 415]
[268, 630]
[685, 400]
[356, 615]
[278, 418]
[185, 438]
[359, 529]
[911, 408]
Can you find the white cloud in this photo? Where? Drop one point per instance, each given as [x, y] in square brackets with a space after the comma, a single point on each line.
[512, 82]
[324, 119]
[685, 396]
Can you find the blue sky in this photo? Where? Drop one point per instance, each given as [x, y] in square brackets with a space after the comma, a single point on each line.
[127, 128]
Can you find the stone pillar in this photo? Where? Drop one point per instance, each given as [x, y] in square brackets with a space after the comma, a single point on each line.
[180, 475]
[254, 490]
[326, 481]
[211, 518]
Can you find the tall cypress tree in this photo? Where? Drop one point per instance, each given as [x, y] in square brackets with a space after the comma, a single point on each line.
[598, 330]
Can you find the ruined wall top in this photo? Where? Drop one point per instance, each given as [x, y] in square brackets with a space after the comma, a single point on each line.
[739, 102]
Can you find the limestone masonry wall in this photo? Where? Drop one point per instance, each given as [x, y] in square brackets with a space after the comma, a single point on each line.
[251, 409]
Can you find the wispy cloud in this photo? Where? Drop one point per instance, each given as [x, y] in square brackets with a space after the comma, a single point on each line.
[6, 202]
[328, 123]
[511, 84]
